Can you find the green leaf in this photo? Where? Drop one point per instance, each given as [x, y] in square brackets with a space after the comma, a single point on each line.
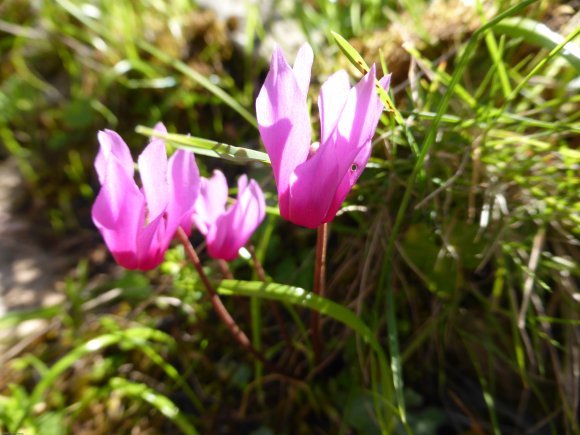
[163, 404]
[208, 147]
[356, 59]
[351, 54]
[299, 296]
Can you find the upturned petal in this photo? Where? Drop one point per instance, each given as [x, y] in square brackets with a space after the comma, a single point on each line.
[159, 128]
[184, 185]
[112, 146]
[350, 178]
[320, 184]
[358, 119]
[360, 161]
[153, 172]
[152, 242]
[302, 68]
[283, 118]
[331, 100]
[118, 213]
[211, 202]
[233, 229]
[312, 188]
[250, 209]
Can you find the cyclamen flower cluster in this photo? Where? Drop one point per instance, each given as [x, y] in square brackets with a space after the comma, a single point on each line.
[312, 179]
[139, 224]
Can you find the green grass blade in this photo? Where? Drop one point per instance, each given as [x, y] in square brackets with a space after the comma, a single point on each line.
[559, 48]
[496, 54]
[163, 404]
[352, 55]
[442, 76]
[201, 80]
[174, 374]
[299, 296]
[165, 58]
[356, 59]
[539, 34]
[208, 147]
[135, 336]
[384, 280]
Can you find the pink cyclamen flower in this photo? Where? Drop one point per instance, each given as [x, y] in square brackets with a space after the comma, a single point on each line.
[138, 224]
[226, 231]
[314, 179]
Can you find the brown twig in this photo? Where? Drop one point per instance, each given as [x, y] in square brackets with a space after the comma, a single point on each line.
[318, 287]
[218, 306]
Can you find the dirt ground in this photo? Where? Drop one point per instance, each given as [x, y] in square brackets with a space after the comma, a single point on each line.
[28, 272]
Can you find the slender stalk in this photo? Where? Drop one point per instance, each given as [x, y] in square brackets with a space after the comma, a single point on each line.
[257, 264]
[319, 287]
[225, 269]
[218, 306]
[275, 308]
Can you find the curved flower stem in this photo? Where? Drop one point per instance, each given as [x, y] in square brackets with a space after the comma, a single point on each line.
[319, 287]
[219, 307]
[225, 269]
[275, 309]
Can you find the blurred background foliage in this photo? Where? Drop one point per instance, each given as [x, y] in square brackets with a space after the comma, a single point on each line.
[485, 256]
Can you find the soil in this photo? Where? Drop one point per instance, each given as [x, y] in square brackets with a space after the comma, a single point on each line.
[28, 272]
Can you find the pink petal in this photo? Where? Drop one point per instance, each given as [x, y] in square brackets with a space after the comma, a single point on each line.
[250, 208]
[283, 119]
[152, 243]
[118, 213]
[233, 229]
[320, 184]
[112, 146]
[361, 159]
[352, 175]
[302, 67]
[159, 128]
[313, 187]
[184, 184]
[211, 202]
[153, 171]
[358, 120]
[331, 101]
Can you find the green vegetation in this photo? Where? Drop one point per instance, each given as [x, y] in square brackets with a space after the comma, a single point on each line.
[451, 300]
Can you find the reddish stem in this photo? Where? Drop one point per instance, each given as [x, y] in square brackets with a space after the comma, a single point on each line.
[319, 287]
[225, 269]
[218, 306]
[275, 309]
